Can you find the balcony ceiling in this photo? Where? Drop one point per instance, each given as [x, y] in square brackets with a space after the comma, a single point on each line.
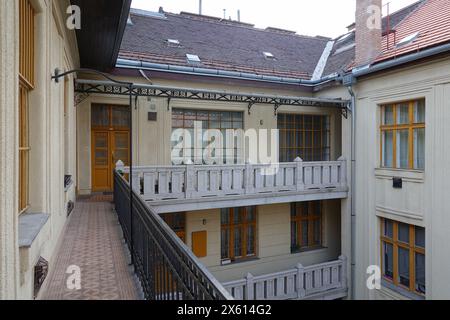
[102, 26]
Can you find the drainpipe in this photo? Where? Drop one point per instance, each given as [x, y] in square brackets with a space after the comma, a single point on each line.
[353, 189]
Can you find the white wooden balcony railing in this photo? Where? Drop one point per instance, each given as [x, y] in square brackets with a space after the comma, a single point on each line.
[156, 183]
[321, 281]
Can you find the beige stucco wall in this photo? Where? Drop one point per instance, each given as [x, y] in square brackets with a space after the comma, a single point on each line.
[55, 46]
[273, 241]
[152, 138]
[422, 201]
[9, 255]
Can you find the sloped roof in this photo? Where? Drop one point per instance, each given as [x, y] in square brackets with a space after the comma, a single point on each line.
[220, 44]
[343, 54]
[432, 23]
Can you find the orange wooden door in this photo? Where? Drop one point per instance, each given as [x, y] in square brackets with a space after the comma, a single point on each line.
[108, 147]
[110, 143]
[101, 161]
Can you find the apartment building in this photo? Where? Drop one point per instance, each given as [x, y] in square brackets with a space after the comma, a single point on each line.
[238, 220]
[354, 178]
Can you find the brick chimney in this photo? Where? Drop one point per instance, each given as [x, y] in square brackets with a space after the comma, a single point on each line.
[368, 31]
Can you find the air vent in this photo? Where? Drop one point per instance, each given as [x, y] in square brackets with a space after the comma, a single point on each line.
[407, 40]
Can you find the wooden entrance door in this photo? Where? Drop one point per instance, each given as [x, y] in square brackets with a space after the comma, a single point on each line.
[110, 143]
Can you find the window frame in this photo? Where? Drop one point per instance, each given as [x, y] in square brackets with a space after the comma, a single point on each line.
[232, 226]
[287, 124]
[396, 244]
[411, 126]
[26, 84]
[311, 218]
[186, 118]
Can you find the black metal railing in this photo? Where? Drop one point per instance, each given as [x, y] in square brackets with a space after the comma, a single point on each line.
[166, 268]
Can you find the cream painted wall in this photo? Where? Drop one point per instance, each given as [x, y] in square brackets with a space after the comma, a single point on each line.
[422, 201]
[55, 47]
[152, 138]
[9, 68]
[273, 241]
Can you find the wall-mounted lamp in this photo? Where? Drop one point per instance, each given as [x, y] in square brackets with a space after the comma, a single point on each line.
[204, 222]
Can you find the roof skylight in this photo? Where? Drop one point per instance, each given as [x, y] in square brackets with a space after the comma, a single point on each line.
[193, 58]
[173, 42]
[268, 55]
[408, 39]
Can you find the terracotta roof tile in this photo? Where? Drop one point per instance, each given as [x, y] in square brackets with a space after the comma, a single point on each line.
[431, 21]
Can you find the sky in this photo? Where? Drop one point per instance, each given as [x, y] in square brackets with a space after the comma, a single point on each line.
[307, 17]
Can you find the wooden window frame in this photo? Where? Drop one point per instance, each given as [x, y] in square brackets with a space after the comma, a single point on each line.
[176, 222]
[288, 125]
[110, 125]
[26, 43]
[394, 128]
[396, 244]
[311, 218]
[232, 226]
[24, 147]
[184, 119]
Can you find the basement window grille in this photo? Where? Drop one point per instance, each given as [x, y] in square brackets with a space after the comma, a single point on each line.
[40, 273]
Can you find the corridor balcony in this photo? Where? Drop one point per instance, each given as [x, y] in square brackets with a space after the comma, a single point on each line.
[325, 281]
[198, 187]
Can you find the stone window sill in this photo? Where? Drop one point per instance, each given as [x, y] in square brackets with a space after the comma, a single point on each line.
[388, 286]
[406, 175]
[30, 225]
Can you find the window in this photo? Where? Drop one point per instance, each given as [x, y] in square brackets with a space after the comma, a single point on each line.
[306, 225]
[107, 117]
[403, 135]
[403, 255]
[238, 233]
[26, 84]
[222, 121]
[304, 136]
[176, 222]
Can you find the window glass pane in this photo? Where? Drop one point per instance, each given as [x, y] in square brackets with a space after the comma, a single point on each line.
[403, 266]
[303, 208]
[250, 240]
[403, 232]
[237, 216]
[100, 116]
[304, 233]
[402, 149]
[120, 117]
[388, 148]
[316, 208]
[388, 115]
[419, 111]
[238, 242]
[388, 260]
[419, 149]
[294, 235]
[388, 229]
[250, 214]
[225, 238]
[420, 273]
[403, 113]
[317, 232]
[225, 215]
[420, 237]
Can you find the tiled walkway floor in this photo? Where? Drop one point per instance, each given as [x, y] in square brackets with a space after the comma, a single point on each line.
[92, 241]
